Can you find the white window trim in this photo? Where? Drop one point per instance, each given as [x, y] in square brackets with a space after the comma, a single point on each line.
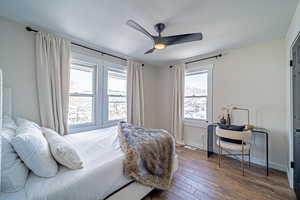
[109, 67]
[101, 99]
[90, 125]
[197, 67]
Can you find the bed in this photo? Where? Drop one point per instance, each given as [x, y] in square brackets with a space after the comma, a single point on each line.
[101, 178]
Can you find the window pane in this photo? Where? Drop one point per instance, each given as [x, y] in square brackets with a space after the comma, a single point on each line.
[116, 83]
[196, 84]
[80, 110]
[116, 90]
[195, 108]
[81, 79]
[117, 107]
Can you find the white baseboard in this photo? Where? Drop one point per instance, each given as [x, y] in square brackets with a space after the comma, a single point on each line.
[254, 160]
[264, 164]
[289, 173]
[271, 164]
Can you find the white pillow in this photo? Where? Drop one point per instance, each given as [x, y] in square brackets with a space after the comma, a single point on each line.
[62, 150]
[26, 123]
[33, 149]
[13, 171]
[8, 122]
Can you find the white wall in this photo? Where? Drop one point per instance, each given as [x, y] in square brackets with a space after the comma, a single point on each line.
[290, 37]
[254, 77]
[163, 97]
[150, 89]
[17, 62]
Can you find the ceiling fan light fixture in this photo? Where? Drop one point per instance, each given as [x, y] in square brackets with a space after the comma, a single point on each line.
[159, 45]
[161, 42]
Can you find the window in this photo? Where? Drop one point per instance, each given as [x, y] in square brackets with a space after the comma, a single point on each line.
[116, 92]
[197, 94]
[82, 94]
[97, 93]
[195, 100]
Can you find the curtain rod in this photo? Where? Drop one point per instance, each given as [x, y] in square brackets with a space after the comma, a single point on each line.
[28, 28]
[216, 56]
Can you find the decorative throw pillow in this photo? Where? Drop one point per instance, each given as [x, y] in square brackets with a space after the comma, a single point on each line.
[13, 171]
[33, 149]
[8, 122]
[62, 150]
[26, 123]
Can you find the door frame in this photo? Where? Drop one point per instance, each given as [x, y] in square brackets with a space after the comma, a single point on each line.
[290, 172]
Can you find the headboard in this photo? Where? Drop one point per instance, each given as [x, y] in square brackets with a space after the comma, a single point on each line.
[7, 101]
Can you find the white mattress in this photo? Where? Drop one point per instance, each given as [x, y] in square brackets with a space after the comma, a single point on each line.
[102, 173]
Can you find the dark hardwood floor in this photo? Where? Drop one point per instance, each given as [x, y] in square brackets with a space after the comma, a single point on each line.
[201, 178]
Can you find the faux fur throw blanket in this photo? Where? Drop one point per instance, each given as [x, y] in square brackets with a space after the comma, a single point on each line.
[149, 155]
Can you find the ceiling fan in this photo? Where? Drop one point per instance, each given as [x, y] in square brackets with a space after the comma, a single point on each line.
[160, 42]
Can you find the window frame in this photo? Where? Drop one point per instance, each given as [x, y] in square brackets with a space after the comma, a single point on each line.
[101, 99]
[195, 96]
[202, 68]
[110, 67]
[88, 125]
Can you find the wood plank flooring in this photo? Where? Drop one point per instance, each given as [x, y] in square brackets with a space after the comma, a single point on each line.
[200, 178]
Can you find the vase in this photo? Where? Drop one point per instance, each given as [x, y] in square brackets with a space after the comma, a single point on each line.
[228, 119]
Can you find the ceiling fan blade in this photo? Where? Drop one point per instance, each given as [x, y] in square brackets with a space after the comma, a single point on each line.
[149, 51]
[178, 39]
[139, 28]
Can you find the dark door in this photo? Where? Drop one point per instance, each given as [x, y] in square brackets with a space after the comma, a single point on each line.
[296, 113]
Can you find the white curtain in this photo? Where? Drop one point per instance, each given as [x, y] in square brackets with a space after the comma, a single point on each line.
[177, 102]
[53, 74]
[135, 94]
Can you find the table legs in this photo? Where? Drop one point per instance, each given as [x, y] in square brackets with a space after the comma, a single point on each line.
[267, 153]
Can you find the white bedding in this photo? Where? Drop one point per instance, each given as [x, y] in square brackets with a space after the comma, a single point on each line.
[102, 173]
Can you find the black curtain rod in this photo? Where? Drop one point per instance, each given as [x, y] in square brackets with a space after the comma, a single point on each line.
[28, 28]
[216, 56]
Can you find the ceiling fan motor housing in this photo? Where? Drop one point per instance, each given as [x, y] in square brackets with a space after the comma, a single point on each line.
[159, 27]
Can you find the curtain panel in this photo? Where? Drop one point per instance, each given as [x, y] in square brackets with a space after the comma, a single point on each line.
[177, 102]
[53, 74]
[135, 94]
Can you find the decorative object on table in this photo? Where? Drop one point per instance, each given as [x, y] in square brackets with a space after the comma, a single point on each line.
[223, 120]
[247, 126]
[228, 121]
[226, 111]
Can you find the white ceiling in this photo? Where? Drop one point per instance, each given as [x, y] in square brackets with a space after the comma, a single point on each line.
[224, 23]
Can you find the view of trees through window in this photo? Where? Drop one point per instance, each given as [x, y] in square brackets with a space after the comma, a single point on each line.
[116, 91]
[196, 91]
[81, 100]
